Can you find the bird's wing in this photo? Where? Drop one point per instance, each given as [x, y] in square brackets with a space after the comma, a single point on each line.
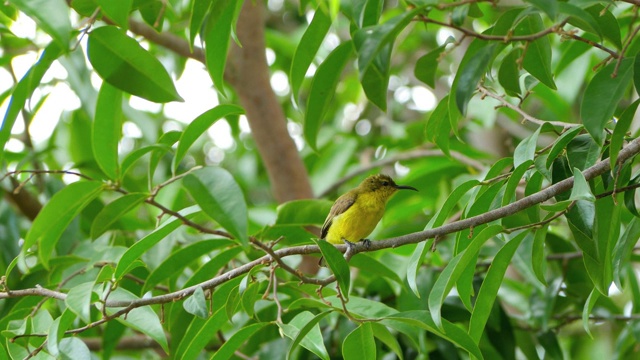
[341, 205]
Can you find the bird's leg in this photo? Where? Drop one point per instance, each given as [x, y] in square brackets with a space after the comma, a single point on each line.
[366, 243]
[350, 247]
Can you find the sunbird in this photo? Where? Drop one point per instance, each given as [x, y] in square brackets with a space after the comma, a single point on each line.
[355, 214]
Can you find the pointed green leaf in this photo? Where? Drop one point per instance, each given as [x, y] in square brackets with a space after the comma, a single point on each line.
[624, 249]
[509, 73]
[107, 130]
[586, 311]
[452, 272]
[415, 262]
[217, 39]
[375, 80]
[196, 304]
[123, 63]
[144, 244]
[490, 286]
[359, 344]
[427, 65]
[79, 300]
[307, 49]
[118, 11]
[50, 15]
[561, 143]
[57, 214]
[386, 337]
[199, 125]
[199, 333]
[303, 336]
[620, 131]
[371, 40]
[142, 319]
[24, 89]
[236, 340]
[110, 214]
[607, 22]
[175, 263]
[56, 331]
[338, 266]
[469, 75]
[537, 57]
[581, 189]
[323, 87]
[199, 10]
[220, 197]
[602, 95]
[133, 156]
[439, 125]
[514, 181]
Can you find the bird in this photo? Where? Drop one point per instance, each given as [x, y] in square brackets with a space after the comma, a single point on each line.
[356, 213]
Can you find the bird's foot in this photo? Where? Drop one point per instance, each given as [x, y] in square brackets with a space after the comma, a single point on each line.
[366, 243]
[349, 244]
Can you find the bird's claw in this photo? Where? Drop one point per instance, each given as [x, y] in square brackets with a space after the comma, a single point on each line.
[366, 243]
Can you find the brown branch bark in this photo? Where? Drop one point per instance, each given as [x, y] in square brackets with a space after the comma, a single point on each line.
[248, 72]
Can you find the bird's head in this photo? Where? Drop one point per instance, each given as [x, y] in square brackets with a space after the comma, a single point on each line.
[382, 185]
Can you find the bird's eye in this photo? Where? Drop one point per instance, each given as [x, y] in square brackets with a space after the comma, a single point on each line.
[385, 183]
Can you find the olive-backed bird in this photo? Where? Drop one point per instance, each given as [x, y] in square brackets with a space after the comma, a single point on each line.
[355, 214]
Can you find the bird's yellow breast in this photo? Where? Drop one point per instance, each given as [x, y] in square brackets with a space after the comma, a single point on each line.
[358, 221]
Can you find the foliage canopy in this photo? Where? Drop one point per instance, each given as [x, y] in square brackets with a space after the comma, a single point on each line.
[128, 232]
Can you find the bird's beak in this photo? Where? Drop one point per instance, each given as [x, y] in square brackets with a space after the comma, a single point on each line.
[405, 187]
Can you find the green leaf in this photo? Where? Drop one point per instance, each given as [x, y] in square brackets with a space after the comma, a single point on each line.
[236, 340]
[359, 344]
[303, 329]
[538, 259]
[583, 152]
[217, 39]
[303, 212]
[220, 197]
[165, 141]
[50, 15]
[452, 272]
[199, 10]
[72, 348]
[199, 333]
[123, 63]
[514, 181]
[179, 260]
[469, 75]
[196, 304]
[57, 330]
[580, 18]
[586, 311]
[57, 214]
[375, 80]
[118, 11]
[636, 73]
[423, 320]
[213, 266]
[374, 267]
[79, 300]
[624, 249]
[549, 7]
[144, 244]
[607, 22]
[338, 266]
[526, 149]
[307, 49]
[602, 95]
[537, 58]
[509, 73]
[427, 65]
[415, 262]
[383, 334]
[323, 87]
[439, 126]
[451, 202]
[133, 156]
[110, 214]
[198, 126]
[107, 130]
[561, 143]
[620, 131]
[24, 89]
[142, 319]
[371, 40]
[581, 189]
[490, 286]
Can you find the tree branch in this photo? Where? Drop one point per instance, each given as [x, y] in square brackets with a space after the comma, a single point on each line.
[632, 149]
